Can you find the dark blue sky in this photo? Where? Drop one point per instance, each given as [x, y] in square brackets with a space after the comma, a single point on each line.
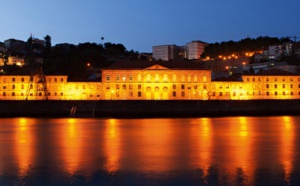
[140, 24]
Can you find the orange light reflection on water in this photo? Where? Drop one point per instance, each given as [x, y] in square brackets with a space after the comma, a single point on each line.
[71, 145]
[23, 145]
[239, 144]
[287, 145]
[204, 144]
[112, 146]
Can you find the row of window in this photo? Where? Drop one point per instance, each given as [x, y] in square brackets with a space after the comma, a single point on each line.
[31, 94]
[258, 93]
[4, 80]
[139, 94]
[283, 86]
[157, 78]
[130, 87]
[13, 86]
[258, 79]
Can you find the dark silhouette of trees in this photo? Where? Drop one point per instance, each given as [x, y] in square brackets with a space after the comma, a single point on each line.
[240, 47]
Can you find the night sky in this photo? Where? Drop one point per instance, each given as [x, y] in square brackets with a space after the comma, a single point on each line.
[141, 24]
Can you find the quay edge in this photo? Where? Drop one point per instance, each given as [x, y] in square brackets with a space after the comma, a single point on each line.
[145, 108]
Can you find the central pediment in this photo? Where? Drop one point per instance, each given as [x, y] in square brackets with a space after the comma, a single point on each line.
[157, 67]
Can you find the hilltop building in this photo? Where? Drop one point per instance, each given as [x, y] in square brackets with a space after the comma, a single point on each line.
[15, 46]
[190, 51]
[194, 49]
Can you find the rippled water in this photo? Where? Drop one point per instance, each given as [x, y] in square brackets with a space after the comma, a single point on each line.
[191, 151]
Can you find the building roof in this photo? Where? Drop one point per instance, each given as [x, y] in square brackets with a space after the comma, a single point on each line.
[138, 65]
[233, 78]
[273, 72]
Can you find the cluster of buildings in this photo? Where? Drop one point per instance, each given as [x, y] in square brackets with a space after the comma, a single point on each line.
[165, 78]
[190, 51]
[13, 51]
[162, 80]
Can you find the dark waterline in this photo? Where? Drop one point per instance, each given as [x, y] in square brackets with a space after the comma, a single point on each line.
[191, 151]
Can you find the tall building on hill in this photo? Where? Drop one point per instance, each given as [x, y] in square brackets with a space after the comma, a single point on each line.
[166, 52]
[194, 49]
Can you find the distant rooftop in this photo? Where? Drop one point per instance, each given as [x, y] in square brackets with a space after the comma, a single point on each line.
[167, 64]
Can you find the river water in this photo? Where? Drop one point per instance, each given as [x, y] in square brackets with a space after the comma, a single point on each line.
[181, 151]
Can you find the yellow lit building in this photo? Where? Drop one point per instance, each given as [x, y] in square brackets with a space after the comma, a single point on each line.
[152, 81]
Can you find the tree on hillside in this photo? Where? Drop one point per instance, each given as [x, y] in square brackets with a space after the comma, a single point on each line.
[47, 40]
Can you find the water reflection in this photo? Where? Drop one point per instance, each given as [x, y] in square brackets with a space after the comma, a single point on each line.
[209, 151]
[24, 144]
[203, 139]
[71, 142]
[287, 150]
[112, 145]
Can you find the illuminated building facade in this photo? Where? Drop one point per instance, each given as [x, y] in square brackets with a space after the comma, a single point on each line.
[153, 81]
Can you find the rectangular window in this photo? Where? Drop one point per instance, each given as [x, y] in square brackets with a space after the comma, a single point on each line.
[4, 93]
[182, 94]
[267, 85]
[195, 87]
[283, 93]
[275, 86]
[130, 87]
[204, 86]
[221, 94]
[275, 93]
[291, 85]
[267, 93]
[139, 94]
[174, 86]
[117, 86]
[124, 86]
[13, 79]
[174, 94]
[22, 79]
[182, 86]
[61, 79]
[292, 93]
[139, 86]
[4, 86]
[283, 85]
[130, 94]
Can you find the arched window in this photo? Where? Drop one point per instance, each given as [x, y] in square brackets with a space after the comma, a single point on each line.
[174, 78]
[189, 78]
[130, 77]
[124, 77]
[139, 77]
[117, 77]
[148, 77]
[165, 78]
[156, 77]
[195, 78]
[13, 86]
[204, 78]
[182, 77]
[107, 77]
